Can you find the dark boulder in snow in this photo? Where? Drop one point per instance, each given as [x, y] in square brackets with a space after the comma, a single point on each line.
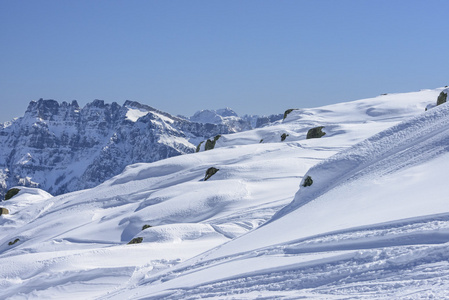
[288, 111]
[307, 181]
[3, 211]
[13, 242]
[442, 97]
[145, 226]
[210, 144]
[136, 240]
[211, 171]
[199, 146]
[315, 132]
[11, 193]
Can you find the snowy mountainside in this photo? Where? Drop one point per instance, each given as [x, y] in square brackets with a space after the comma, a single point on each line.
[75, 245]
[344, 122]
[63, 147]
[374, 224]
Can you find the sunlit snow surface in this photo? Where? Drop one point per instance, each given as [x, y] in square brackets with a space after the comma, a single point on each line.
[374, 223]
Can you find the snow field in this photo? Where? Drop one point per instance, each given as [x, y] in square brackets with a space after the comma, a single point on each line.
[358, 231]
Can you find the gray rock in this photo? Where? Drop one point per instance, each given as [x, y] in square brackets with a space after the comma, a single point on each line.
[211, 171]
[441, 98]
[136, 240]
[288, 111]
[210, 144]
[315, 133]
[13, 242]
[11, 193]
[307, 181]
[145, 226]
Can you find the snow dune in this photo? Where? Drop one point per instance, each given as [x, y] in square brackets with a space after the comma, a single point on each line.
[374, 223]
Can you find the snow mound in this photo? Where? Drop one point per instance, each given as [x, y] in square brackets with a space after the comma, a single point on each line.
[27, 194]
[177, 233]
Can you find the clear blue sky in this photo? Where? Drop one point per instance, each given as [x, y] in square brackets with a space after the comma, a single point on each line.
[257, 57]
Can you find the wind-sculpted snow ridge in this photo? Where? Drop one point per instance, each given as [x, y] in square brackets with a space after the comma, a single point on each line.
[409, 143]
[377, 232]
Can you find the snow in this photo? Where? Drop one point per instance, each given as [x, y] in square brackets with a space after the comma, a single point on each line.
[133, 114]
[374, 223]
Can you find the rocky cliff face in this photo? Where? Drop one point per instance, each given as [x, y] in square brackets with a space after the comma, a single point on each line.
[61, 147]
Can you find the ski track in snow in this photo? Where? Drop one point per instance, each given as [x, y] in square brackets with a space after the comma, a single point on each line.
[358, 263]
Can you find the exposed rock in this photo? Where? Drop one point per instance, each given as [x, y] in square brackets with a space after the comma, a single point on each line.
[4, 211]
[199, 146]
[211, 171]
[283, 137]
[288, 111]
[315, 132]
[210, 144]
[136, 240]
[12, 243]
[145, 226]
[442, 98]
[11, 193]
[307, 181]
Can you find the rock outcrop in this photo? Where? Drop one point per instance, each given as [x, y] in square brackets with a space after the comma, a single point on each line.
[316, 132]
[211, 171]
[11, 193]
[442, 97]
[136, 240]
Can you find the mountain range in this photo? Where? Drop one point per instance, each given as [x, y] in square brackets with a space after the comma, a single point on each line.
[61, 147]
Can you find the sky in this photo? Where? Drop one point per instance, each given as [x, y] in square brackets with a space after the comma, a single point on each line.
[256, 57]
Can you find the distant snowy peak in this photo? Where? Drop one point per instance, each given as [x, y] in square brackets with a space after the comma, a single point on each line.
[213, 116]
[207, 116]
[228, 117]
[226, 112]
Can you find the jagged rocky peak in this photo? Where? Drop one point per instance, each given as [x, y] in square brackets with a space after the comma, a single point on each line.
[213, 116]
[48, 109]
[43, 109]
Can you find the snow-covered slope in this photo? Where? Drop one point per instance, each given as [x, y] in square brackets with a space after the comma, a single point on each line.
[374, 223]
[375, 213]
